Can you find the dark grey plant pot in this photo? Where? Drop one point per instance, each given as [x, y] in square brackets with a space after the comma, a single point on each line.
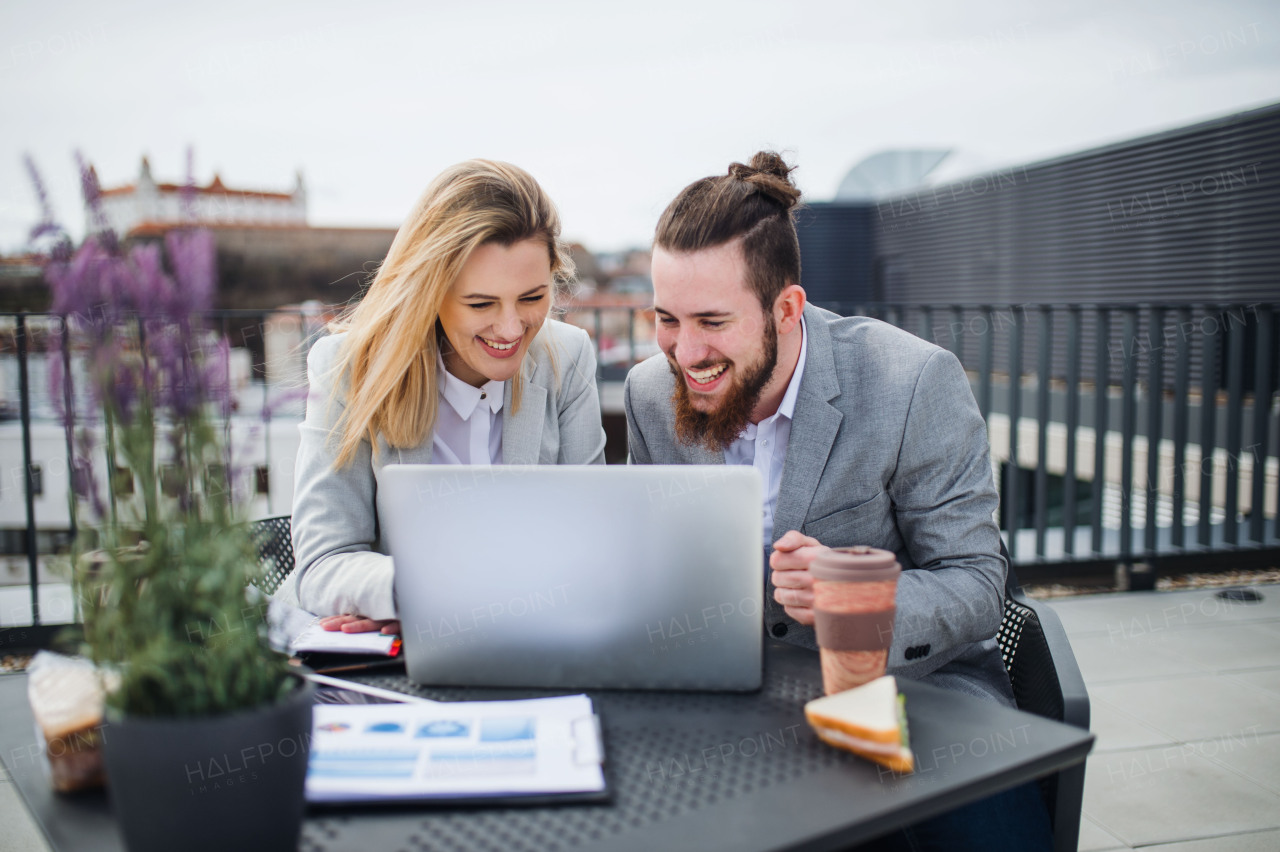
[211, 782]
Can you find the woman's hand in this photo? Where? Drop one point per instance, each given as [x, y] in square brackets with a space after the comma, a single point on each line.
[359, 624]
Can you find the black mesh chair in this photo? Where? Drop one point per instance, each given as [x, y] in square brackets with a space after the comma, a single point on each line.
[1047, 682]
[273, 538]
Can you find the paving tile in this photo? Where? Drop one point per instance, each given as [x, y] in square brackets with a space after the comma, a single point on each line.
[1194, 707]
[1265, 679]
[1094, 839]
[1085, 613]
[1259, 841]
[1224, 647]
[1124, 658]
[1116, 730]
[20, 833]
[1252, 755]
[1170, 794]
[1271, 626]
[1108, 613]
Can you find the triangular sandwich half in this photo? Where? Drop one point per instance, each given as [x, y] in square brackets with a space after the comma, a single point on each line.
[869, 720]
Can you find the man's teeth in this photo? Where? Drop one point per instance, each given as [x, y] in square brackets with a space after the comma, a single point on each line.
[496, 345]
[703, 377]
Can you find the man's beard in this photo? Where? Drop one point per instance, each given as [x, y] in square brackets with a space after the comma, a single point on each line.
[720, 428]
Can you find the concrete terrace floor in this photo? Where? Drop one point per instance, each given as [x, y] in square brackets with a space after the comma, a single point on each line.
[1185, 691]
[1185, 695]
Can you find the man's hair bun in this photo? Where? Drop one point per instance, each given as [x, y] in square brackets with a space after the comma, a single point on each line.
[771, 175]
[755, 204]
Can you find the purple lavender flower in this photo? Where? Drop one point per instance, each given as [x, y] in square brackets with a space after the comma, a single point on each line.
[193, 258]
[215, 376]
[47, 226]
[92, 192]
[57, 389]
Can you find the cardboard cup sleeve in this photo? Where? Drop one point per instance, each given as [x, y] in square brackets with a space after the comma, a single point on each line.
[854, 605]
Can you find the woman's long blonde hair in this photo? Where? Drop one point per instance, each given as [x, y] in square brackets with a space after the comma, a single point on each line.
[387, 366]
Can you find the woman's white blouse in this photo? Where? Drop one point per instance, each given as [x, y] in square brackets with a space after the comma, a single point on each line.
[468, 422]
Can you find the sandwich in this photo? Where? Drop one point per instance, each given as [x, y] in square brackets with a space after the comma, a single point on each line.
[869, 720]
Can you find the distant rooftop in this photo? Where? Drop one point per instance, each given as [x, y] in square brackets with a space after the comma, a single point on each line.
[150, 206]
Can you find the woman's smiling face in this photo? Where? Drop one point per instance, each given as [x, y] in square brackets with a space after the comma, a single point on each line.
[493, 311]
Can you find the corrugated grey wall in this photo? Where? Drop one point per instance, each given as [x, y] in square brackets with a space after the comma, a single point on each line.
[1191, 215]
[1187, 217]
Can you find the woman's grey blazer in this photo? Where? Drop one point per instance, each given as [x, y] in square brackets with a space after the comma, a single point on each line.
[341, 564]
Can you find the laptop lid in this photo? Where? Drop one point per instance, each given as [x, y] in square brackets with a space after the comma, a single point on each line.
[635, 577]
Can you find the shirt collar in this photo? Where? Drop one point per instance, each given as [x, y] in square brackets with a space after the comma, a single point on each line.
[788, 406]
[465, 398]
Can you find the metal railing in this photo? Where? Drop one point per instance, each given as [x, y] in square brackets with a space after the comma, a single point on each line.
[1164, 411]
[1125, 434]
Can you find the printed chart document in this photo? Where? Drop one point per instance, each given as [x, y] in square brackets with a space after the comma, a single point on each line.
[470, 750]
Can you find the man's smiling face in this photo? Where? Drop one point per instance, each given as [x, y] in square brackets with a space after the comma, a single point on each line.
[720, 343]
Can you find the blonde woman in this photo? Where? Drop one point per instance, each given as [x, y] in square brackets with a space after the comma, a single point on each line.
[449, 358]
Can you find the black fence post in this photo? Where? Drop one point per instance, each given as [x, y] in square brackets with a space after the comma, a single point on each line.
[1100, 401]
[1128, 427]
[68, 422]
[1208, 423]
[1073, 426]
[1045, 348]
[1181, 396]
[28, 464]
[1155, 408]
[1012, 468]
[985, 366]
[1235, 423]
[1261, 433]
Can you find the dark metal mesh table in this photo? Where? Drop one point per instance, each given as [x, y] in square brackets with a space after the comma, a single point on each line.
[686, 770]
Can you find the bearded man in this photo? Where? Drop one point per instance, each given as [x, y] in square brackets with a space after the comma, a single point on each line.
[863, 435]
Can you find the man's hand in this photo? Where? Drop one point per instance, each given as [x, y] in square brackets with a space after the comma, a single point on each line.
[359, 624]
[790, 563]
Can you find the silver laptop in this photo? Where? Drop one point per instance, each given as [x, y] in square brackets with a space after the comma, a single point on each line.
[630, 577]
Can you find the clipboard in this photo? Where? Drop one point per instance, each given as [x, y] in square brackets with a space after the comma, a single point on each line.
[423, 753]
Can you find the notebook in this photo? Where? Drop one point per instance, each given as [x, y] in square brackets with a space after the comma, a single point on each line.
[630, 577]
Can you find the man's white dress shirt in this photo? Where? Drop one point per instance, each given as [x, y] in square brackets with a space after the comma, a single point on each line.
[764, 445]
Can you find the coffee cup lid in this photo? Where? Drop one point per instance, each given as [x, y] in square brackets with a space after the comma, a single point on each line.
[858, 563]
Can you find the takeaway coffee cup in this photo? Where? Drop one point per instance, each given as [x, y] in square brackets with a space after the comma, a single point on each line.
[853, 608]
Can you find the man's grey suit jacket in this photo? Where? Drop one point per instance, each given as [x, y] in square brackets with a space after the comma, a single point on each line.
[887, 449]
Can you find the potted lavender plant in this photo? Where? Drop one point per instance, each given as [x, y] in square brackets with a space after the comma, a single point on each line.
[206, 739]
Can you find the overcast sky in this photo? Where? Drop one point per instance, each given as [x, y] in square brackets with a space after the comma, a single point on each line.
[612, 107]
